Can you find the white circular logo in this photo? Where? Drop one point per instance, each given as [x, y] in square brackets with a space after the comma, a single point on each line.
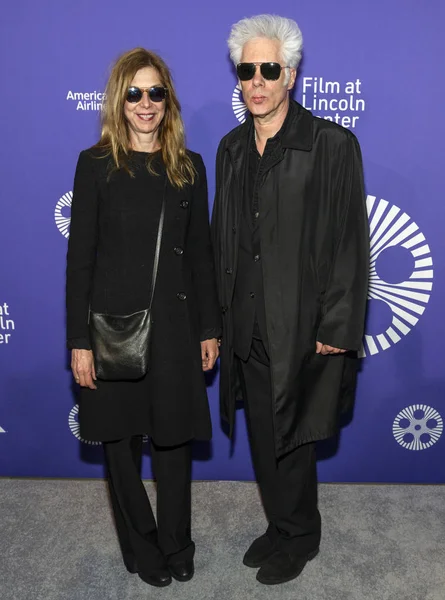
[400, 276]
[239, 108]
[417, 427]
[74, 426]
[62, 214]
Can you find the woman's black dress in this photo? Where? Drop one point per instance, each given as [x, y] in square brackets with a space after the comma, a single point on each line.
[114, 223]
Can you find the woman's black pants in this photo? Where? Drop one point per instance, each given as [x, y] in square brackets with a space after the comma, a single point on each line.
[145, 546]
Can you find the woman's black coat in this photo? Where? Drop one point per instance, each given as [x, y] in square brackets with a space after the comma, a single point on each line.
[114, 223]
[314, 248]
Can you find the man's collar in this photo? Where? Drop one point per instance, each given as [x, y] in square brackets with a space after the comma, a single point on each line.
[296, 133]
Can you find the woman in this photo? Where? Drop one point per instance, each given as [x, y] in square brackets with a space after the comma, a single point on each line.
[119, 188]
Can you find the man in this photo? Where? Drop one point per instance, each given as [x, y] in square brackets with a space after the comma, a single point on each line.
[291, 248]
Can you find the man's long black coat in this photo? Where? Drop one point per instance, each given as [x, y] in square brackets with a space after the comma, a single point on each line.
[314, 247]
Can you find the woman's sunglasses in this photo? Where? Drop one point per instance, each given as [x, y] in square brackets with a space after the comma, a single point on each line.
[156, 94]
[269, 70]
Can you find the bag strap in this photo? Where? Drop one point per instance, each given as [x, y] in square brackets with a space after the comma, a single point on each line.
[158, 246]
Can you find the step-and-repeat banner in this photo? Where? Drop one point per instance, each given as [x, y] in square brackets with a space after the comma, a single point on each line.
[373, 67]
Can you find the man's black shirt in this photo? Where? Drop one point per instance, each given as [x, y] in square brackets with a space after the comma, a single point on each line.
[248, 305]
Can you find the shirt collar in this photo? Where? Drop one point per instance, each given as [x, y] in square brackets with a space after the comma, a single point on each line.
[296, 132]
[282, 136]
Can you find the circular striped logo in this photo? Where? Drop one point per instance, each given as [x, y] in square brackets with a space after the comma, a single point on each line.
[417, 427]
[405, 292]
[239, 108]
[62, 212]
[73, 422]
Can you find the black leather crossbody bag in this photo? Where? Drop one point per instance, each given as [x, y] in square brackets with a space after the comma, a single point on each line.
[121, 343]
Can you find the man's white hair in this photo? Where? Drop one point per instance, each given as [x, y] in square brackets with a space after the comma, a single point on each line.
[272, 27]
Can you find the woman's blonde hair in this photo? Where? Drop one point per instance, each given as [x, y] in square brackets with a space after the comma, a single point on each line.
[115, 138]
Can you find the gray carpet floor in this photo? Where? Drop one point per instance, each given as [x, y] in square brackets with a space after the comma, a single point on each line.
[57, 542]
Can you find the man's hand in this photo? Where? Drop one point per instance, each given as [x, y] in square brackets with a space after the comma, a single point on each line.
[82, 366]
[209, 354]
[325, 349]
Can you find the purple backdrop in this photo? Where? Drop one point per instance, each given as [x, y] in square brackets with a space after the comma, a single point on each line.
[372, 66]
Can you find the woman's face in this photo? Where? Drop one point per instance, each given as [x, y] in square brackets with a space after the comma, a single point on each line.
[145, 116]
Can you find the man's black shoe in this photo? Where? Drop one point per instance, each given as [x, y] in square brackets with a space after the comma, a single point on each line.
[282, 567]
[131, 565]
[159, 578]
[259, 552]
[182, 571]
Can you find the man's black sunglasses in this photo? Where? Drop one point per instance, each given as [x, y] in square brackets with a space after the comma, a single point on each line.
[156, 93]
[269, 70]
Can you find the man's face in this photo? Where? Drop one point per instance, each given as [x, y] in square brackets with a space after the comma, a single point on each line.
[264, 98]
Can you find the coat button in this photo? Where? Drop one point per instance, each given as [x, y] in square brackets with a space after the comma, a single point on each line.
[234, 229]
[252, 294]
[224, 309]
[256, 215]
[184, 204]
[181, 296]
[256, 258]
[229, 271]
[178, 250]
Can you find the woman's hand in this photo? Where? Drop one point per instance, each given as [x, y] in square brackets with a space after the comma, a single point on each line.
[209, 354]
[82, 366]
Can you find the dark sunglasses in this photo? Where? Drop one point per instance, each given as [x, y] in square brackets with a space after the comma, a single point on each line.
[269, 70]
[156, 94]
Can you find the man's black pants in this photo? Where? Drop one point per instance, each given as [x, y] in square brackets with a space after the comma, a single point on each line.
[288, 485]
[146, 546]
